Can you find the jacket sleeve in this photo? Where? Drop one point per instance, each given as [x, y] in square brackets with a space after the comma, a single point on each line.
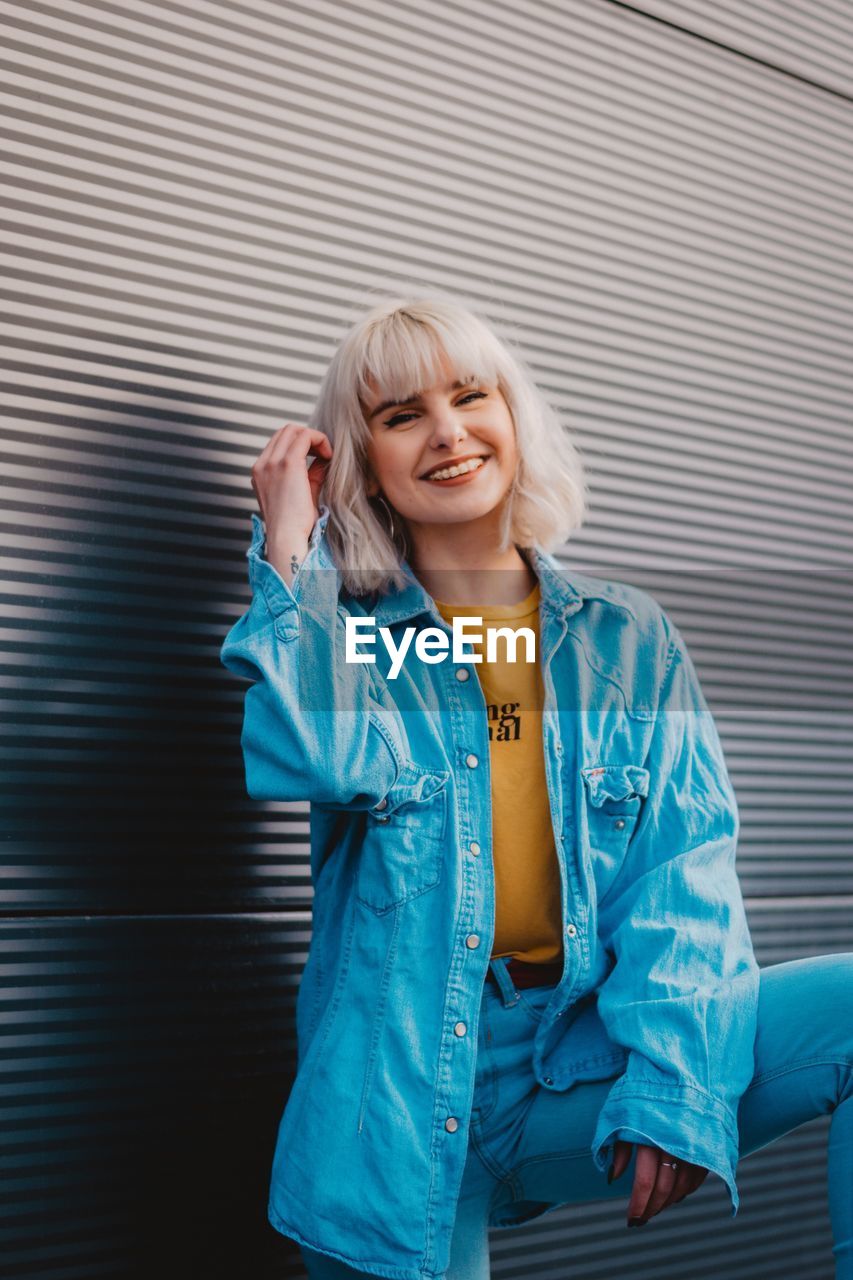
[682, 996]
[314, 726]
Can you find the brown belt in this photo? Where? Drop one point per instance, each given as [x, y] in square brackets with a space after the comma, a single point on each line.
[524, 974]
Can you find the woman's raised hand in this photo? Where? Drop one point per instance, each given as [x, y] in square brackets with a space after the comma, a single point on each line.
[656, 1185]
[288, 492]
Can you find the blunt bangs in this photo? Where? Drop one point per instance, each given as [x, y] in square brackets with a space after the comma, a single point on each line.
[403, 355]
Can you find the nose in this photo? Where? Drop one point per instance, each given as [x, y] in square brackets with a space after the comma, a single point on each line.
[447, 427]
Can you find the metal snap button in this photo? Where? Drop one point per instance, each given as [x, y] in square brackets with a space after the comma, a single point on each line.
[460, 1029]
[619, 824]
[472, 941]
[451, 1124]
[474, 848]
[462, 673]
[571, 930]
[472, 761]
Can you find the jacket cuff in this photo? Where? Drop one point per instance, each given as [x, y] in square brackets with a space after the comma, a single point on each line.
[678, 1118]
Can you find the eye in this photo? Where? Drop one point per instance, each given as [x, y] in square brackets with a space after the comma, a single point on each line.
[402, 417]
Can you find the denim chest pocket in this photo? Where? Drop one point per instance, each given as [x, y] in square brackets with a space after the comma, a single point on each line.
[614, 794]
[405, 841]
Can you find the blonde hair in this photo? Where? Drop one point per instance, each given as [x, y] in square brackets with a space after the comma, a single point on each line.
[399, 343]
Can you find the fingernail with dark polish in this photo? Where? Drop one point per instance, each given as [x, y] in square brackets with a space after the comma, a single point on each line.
[636, 1222]
[610, 1174]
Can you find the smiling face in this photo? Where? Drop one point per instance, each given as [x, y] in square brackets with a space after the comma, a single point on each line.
[438, 429]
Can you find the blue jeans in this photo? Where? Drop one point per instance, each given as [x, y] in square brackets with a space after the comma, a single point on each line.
[803, 1069]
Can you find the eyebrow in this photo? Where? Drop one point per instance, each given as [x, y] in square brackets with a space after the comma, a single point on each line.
[390, 404]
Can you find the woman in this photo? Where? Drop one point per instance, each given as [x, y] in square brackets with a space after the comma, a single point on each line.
[529, 955]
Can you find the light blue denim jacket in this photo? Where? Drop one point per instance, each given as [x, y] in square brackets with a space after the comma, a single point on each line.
[660, 984]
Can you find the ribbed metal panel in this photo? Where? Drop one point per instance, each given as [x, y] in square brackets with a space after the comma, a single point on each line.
[145, 1062]
[811, 38]
[656, 201]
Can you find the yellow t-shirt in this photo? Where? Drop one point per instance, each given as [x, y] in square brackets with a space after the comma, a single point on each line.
[528, 905]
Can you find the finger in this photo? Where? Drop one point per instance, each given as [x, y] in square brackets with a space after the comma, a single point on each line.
[645, 1177]
[681, 1185]
[295, 441]
[275, 440]
[318, 443]
[664, 1183]
[697, 1177]
[321, 447]
[621, 1158]
[319, 469]
[293, 438]
[317, 473]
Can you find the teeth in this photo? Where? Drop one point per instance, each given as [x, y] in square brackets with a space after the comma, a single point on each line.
[449, 472]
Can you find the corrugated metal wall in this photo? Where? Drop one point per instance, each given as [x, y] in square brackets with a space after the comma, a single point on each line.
[657, 199]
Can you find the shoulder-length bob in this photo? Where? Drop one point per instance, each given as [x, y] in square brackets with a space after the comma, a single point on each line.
[399, 344]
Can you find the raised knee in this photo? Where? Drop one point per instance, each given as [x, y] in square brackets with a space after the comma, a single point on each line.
[819, 989]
